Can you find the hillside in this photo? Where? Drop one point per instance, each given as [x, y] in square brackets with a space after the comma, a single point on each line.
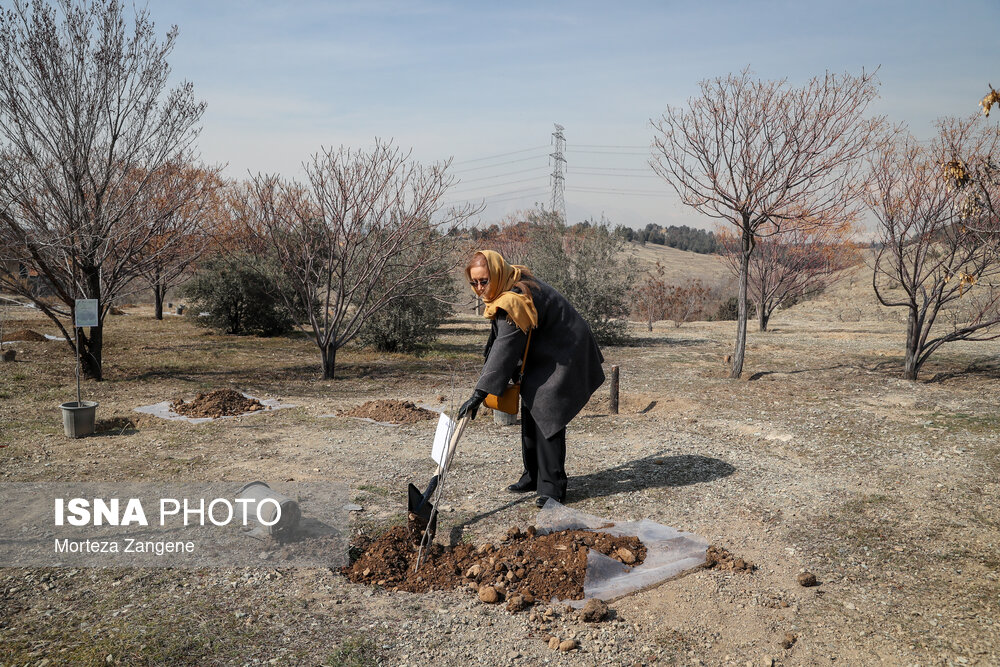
[681, 265]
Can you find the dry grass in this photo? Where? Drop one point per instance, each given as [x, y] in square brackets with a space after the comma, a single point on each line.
[819, 459]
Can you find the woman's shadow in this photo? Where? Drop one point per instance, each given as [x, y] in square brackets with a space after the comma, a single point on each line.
[650, 472]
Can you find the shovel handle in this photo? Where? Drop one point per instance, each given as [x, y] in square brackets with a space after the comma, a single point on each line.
[430, 490]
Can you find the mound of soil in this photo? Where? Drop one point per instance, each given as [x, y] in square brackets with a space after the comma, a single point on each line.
[25, 335]
[528, 565]
[218, 403]
[718, 558]
[395, 412]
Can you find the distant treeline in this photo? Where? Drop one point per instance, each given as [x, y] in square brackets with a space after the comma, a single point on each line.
[682, 237]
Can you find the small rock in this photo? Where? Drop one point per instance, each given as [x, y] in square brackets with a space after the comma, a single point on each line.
[789, 640]
[594, 611]
[515, 604]
[489, 595]
[513, 655]
[808, 579]
[554, 643]
[626, 556]
[474, 571]
[567, 645]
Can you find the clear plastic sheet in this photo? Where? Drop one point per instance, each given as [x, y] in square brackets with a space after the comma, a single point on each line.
[163, 410]
[668, 552]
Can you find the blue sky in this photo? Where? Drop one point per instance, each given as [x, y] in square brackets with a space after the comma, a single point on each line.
[483, 83]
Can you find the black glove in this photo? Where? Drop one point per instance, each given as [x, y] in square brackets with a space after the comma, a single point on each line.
[471, 406]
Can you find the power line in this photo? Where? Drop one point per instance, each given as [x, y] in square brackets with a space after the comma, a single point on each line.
[524, 192]
[615, 191]
[616, 175]
[490, 157]
[573, 150]
[609, 146]
[500, 164]
[645, 169]
[496, 185]
[507, 173]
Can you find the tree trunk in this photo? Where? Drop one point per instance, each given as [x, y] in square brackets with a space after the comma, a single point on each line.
[910, 364]
[158, 294]
[649, 322]
[92, 345]
[90, 353]
[762, 317]
[741, 302]
[329, 354]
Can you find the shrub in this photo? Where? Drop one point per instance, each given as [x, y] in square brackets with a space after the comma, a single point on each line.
[408, 323]
[728, 309]
[586, 265]
[239, 300]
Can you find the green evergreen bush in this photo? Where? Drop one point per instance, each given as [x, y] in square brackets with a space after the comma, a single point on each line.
[239, 297]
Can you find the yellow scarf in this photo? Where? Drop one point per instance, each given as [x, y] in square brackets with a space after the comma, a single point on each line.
[503, 276]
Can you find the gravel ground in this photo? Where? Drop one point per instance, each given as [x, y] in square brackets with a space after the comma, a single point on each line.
[819, 460]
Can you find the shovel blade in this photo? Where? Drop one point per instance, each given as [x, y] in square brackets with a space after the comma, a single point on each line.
[419, 514]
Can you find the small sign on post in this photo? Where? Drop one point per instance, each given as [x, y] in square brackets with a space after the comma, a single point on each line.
[85, 316]
[86, 313]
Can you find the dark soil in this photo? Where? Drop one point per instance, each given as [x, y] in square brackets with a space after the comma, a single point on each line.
[532, 566]
[24, 335]
[395, 412]
[218, 403]
[114, 425]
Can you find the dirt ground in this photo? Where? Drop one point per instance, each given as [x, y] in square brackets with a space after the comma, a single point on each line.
[821, 460]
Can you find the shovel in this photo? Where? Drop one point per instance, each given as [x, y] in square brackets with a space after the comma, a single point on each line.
[420, 509]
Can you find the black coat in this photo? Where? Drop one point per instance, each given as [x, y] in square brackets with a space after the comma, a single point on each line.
[563, 368]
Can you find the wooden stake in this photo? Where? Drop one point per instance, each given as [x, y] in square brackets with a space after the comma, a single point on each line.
[614, 390]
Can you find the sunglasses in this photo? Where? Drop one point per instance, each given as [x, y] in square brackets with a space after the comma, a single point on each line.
[482, 282]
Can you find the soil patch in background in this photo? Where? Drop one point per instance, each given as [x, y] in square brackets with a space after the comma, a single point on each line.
[526, 565]
[395, 412]
[24, 335]
[218, 403]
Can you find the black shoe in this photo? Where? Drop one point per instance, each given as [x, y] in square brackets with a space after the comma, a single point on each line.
[541, 500]
[523, 485]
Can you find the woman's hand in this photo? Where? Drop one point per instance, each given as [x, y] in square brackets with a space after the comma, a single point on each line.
[471, 406]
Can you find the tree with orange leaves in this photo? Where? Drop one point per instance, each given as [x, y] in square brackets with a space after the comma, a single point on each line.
[789, 264]
[181, 203]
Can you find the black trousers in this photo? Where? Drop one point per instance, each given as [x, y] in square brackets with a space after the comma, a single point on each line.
[544, 458]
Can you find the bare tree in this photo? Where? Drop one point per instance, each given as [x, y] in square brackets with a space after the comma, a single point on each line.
[367, 229]
[649, 295]
[86, 120]
[181, 203]
[788, 266]
[686, 302]
[930, 257]
[756, 153]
